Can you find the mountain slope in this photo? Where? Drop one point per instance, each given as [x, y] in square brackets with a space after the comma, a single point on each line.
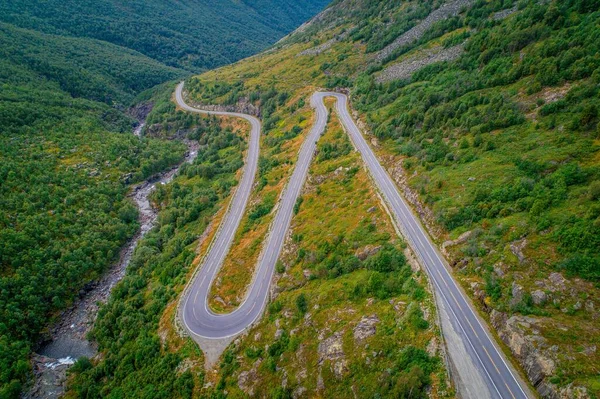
[85, 68]
[342, 262]
[64, 212]
[193, 35]
[67, 155]
[486, 114]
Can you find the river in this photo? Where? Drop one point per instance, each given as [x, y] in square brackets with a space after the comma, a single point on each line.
[68, 340]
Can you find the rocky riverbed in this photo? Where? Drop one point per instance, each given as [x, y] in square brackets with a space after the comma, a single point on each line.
[67, 339]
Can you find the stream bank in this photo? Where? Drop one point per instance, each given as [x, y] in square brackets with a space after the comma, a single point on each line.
[67, 338]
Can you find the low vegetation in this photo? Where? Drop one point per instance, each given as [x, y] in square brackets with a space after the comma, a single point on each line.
[278, 147]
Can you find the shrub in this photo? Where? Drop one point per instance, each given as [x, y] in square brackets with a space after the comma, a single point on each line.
[82, 364]
[594, 190]
[302, 304]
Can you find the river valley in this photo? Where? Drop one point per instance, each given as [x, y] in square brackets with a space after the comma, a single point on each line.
[67, 340]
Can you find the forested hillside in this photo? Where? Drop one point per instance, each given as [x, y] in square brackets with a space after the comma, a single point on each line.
[486, 115]
[194, 35]
[77, 67]
[64, 159]
[69, 71]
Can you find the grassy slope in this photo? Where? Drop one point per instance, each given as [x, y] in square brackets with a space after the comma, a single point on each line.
[338, 217]
[336, 297]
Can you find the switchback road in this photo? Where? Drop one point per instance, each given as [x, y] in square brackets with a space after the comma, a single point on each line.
[479, 354]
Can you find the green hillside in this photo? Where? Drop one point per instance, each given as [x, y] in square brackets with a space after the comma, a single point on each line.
[64, 215]
[486, 113]
[68, 73]
[78, 67]
[194, 35]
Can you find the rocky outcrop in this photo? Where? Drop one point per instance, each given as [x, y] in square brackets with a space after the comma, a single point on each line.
[517, 248]
[520, 334]
[451, 243]
[504, 13]
[248, 379]
[140, 111]
[517, 294]
[243, 107]
[406, 68]
[539, 297]
[50, 376]
[299, 392]
[445, 11]
[365, 328]
[558, 281]
[571, 391]
[323, 46]
[367, 251]
[330, 349]
[318, 49]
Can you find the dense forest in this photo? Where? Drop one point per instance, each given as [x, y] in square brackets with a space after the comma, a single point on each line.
[75, 67]
[65, 164]
[192, 35]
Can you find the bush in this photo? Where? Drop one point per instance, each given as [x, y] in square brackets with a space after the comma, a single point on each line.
[388, 259]
[82, 364]
[280, 267]
[302, 304]
[582, 265]
[594, 190]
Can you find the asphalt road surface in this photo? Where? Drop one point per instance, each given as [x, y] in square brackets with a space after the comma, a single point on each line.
[500, 377]
[196, 316]
[200, 321]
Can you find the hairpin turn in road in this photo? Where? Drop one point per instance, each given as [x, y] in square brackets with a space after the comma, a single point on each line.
[500, 380]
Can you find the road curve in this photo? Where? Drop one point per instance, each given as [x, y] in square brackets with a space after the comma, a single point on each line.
[197, 318]
[200, 321]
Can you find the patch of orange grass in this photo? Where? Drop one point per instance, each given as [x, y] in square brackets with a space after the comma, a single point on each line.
[169, 338]
[237, 271]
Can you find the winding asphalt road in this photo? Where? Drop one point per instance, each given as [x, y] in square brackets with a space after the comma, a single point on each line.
[499, 378]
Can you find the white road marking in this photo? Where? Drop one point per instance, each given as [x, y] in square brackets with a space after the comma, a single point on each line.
[210, 325]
